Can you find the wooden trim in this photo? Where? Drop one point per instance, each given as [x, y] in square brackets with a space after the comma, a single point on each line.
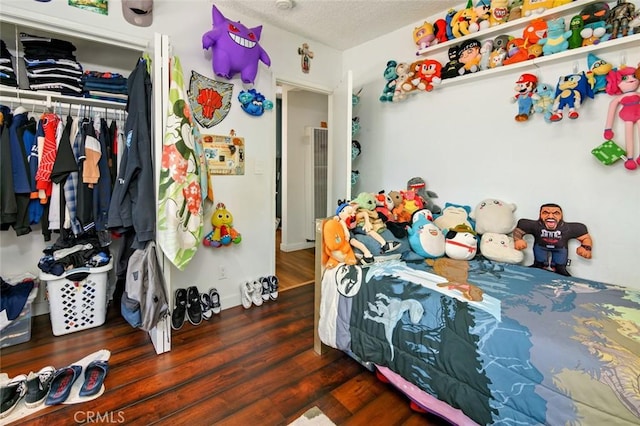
[318, 346]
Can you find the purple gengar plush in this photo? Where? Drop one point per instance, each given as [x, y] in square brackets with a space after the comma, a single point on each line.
[234, 47]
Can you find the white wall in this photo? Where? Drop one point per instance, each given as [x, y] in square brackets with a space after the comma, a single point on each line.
[463, 140]
[303, 109]
[250, 198]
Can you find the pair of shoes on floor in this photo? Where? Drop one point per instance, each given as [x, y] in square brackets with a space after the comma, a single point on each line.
[64, 378]
[210, 303]
[251, 293]
[11, 393]
[186, 305]
[269, 287]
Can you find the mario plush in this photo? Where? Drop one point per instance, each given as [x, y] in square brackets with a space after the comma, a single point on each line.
[525, 88]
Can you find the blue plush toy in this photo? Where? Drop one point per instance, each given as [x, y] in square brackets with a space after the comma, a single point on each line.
[254, 103]
[571, 92]
[543, 98]
[425, 238]
[557, 39]
[390, 75]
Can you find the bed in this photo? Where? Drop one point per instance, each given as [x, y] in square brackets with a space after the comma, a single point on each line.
[484, 342]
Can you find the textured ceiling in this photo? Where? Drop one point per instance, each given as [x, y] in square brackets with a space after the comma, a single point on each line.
[338, 24]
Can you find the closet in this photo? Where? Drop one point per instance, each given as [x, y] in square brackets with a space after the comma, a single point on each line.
[96, 49]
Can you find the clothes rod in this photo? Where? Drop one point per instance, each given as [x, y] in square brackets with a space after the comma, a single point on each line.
[63, 108]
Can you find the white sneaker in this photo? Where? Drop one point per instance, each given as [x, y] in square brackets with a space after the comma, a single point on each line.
[256, 295]
[246, 291]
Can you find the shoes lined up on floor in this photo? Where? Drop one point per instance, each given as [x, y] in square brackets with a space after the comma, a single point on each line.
[259, 291]
[51, 386]
[191, 305]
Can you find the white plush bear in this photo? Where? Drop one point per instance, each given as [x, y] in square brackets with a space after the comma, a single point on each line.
[493, 215]
[499, 248]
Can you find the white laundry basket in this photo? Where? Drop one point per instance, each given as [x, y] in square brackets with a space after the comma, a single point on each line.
[77, 298]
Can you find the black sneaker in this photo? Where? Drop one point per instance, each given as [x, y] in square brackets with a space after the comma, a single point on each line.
[38, 385]
[11, 394]
[179, 309]
[194, 309]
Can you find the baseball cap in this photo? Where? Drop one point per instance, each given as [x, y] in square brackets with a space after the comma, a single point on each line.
[138, 12]
[527, 78]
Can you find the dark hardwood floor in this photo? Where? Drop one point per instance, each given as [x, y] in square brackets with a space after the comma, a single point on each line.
[243, 367]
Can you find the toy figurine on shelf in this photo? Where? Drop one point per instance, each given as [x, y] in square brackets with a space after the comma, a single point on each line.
[623, 85]
[223, 232]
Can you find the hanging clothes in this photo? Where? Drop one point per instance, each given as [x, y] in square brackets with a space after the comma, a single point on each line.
[8, 205]
[180, 212]
[133, 197]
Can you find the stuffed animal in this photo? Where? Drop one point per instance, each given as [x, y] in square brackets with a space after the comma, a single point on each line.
[449, 21]
[403, 70]
[452, 215]
[425, 238]
[440, 30]
[535, 31]
[235, 48]
[619, 18]
[366, 210]
[571, 91]
[461, 242]
[594, 16]
[557, 37]
[543, 98]
[424, 36]
[623, 85]
[390, 77]
[525, 87]
[464, 22]
[494, 215]
[499, 12]
[419, 185]
[451, 68]
[425, 73]
[482, 9]
[551, 235]
[529, 7]
[597, 74]
[496, 58]
[576, 25]
[254, 103]
[516, 51]
[499, 248]
[223, 233]
[485, 54]
[469, 56]
[384, 207]
[336, 248]
[457, 273]
[515, 10]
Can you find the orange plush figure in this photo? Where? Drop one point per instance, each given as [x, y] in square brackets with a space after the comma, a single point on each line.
[336, 248]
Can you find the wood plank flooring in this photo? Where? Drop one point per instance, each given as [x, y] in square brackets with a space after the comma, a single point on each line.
[243, 367]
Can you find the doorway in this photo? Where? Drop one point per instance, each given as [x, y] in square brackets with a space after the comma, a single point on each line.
[297, 107]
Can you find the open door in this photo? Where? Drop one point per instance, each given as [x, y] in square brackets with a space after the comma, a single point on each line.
[339, 152]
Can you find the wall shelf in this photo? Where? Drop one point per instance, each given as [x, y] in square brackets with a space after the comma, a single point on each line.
[553, 13]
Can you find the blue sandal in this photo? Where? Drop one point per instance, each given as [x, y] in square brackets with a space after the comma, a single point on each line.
[61, 385]
[94, 377]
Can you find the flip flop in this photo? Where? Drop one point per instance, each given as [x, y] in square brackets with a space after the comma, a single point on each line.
[94, 377]
[62, 383]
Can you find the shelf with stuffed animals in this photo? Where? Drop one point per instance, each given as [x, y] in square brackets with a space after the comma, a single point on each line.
[544, 35]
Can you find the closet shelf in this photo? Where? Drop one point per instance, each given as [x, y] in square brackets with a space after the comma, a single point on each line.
[50, 99]
[581, 52]
[573, 7]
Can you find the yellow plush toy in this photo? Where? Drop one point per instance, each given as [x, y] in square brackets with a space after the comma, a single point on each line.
[223, 232]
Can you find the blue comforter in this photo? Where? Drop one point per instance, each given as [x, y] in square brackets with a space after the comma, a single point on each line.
[505, 344]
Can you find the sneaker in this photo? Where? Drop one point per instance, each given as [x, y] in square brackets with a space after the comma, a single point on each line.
[38, 385]
[390, 246]
[194, 310]
[273, 287]
[11, 394]
[256, 296]
[265, 288]
[214, 297]
[246, 292]
[179, 309]
[205, 305]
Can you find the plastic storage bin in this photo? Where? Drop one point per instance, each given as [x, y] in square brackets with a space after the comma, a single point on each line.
[19, 330]
[77, 298]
